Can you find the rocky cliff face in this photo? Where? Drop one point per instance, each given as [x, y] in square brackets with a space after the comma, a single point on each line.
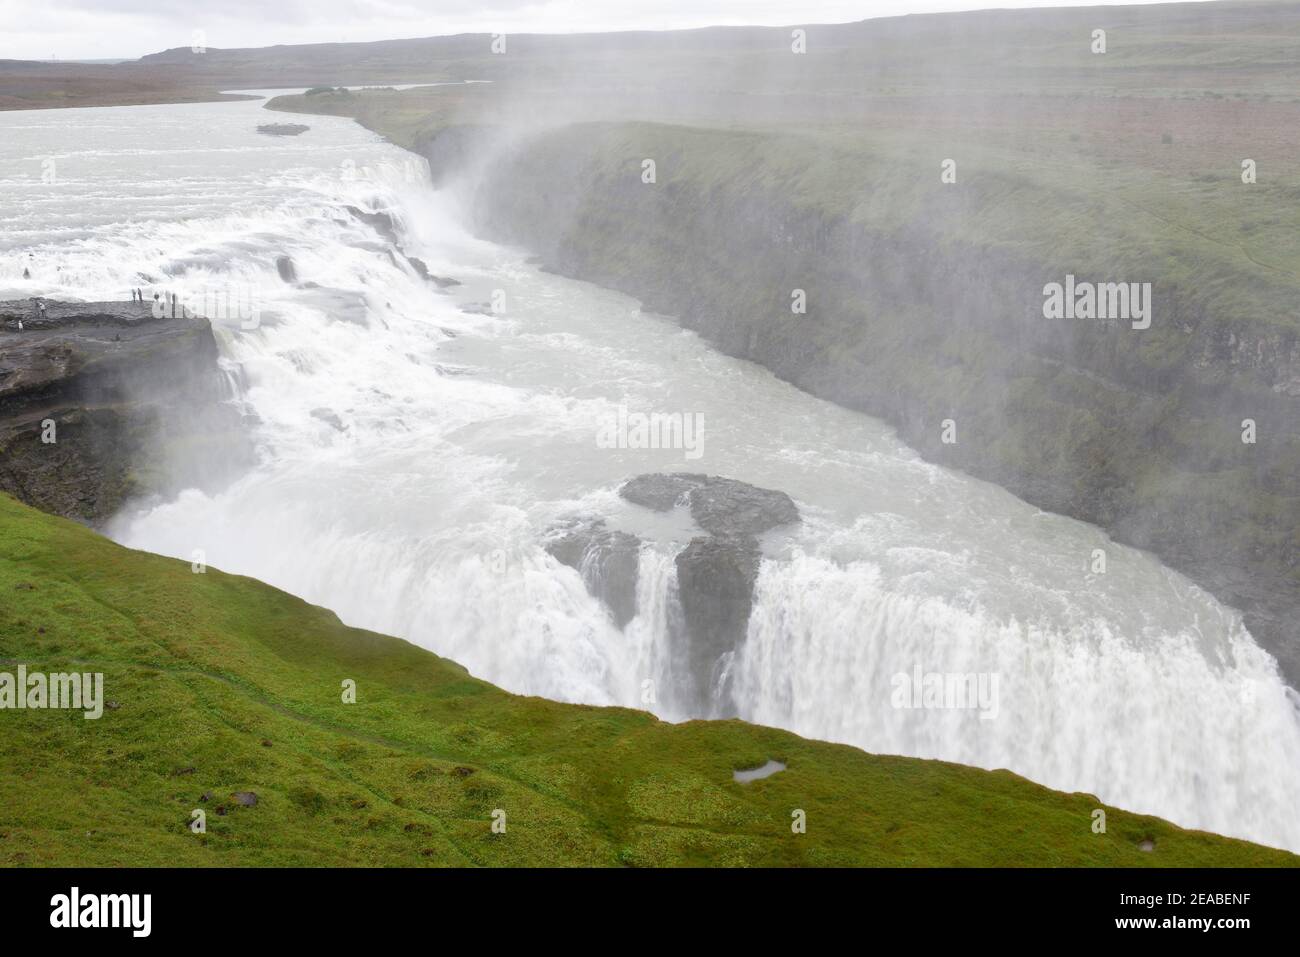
[101, 402]
[919, 324]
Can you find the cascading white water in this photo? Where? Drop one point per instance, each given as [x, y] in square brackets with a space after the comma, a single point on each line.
[655, 635]
[1160, 720]
[416, 449]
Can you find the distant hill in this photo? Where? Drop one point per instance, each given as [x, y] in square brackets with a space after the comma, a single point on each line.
[1155, 46]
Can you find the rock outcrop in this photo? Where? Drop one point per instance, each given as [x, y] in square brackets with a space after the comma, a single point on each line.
[381, 222]
[715, 572]
[422, 270]
[103, 402]
[720, 506]
[607, 561]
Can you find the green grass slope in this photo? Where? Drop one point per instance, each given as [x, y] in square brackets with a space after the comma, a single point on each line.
[222, 684]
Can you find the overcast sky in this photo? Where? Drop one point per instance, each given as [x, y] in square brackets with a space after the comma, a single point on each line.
[88, 29]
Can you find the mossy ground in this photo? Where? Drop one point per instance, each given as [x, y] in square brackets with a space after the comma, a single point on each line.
[224, 684]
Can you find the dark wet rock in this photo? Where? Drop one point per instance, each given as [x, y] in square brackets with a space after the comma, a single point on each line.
[720, 506]
[422, 270]
[607, 561]
[715, 585]
[68, 315]
[135, 405]
[658, 491]
[283, 129]
[715, 572]
[382, 223]
[726, 507]
[329, 417]
[285, 267]
[245, 798]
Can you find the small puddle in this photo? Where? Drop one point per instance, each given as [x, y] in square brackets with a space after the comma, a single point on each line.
[753, 774]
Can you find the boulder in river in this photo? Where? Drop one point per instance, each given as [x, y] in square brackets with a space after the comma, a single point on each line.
[380, 222]
[716, 572]
[715, 585]
[283, 129]
[720, 506]
[607, 561]
[422, 270]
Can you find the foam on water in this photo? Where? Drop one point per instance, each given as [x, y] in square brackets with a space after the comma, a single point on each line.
[413, 455]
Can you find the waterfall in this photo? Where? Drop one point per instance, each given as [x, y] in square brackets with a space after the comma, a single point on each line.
[416, 446]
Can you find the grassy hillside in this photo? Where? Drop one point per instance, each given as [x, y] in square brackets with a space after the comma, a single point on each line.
[221, 684]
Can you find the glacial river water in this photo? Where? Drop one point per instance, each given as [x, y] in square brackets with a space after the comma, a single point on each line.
[414, 448]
